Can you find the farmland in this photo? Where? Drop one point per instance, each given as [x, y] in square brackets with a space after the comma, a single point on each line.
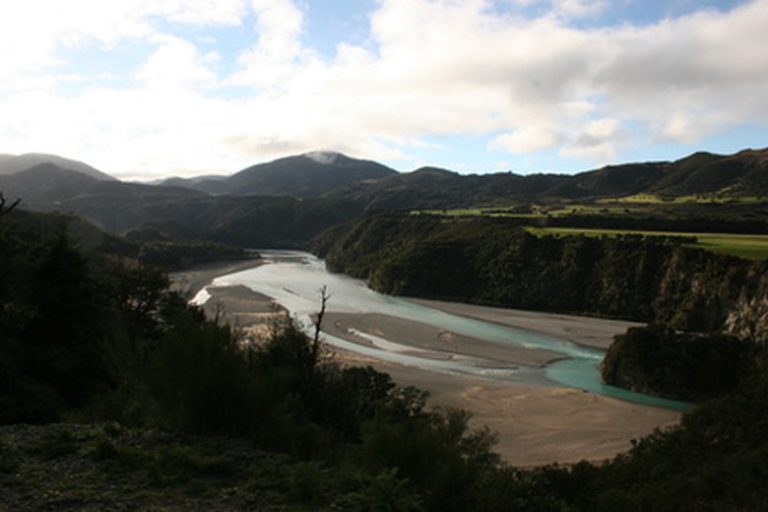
[745, 246]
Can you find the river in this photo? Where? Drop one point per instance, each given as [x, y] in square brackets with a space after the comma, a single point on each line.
[293, 279]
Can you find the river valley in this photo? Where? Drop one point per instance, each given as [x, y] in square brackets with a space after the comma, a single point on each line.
[532, 377]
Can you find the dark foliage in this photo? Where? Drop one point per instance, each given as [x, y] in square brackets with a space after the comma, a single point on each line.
[52, 319]
[494, 262]
[660, 361]
[177, 254]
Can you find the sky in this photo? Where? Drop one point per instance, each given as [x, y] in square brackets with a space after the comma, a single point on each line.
[144, 89]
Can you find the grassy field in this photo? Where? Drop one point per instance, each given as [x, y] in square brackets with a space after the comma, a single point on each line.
[592, 209]
[536, 212]
[482, 212]
[753, 247]
[701, 199]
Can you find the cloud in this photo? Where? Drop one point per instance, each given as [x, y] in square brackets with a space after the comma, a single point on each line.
[177, 63]
[274, 57]
[578, 8]
[429, 68]
[527, 140]
[596, 142]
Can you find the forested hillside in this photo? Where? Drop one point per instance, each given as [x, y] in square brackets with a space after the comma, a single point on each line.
[245, 221]
[742, 174]
[494, 262]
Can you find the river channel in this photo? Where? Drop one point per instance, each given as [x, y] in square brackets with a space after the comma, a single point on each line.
[293, 280]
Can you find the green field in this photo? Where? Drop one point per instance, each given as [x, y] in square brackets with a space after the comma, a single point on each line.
[592, 209]
[692, 198]
[753, 247]
[479, 212]
[536, 212]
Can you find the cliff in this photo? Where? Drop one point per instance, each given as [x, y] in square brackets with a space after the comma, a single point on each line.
[491, 262]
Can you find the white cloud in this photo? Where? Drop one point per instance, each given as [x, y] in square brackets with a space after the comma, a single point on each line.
[597, 142]
[578, 8]
[177, 64]
[430, 68]
[527, 140]
[278, 52]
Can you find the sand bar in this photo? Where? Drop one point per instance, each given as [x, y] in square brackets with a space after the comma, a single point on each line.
[430, 338]
[588, 331]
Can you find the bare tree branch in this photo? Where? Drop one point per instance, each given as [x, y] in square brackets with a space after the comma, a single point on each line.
[324, 296]
[5, 210]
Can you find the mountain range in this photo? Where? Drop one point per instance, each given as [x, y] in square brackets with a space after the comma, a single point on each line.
[742, 174]
[327, 174]
[291, 199]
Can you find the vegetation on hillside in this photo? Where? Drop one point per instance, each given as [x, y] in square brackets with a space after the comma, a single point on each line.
[744, 174]
[744, 246]
[102, 339]
[660, 361]
[493, 262]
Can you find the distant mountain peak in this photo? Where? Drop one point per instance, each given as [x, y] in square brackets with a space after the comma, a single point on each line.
[324, 157]
[12, 164]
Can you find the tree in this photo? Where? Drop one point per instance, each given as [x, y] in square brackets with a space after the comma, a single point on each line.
[324, 296]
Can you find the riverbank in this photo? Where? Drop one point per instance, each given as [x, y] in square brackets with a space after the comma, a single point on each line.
[189, 282]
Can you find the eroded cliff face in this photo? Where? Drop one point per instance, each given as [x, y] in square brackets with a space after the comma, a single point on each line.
[748, 315]
[698, 289]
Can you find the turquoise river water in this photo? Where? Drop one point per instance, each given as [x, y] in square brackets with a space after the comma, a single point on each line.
[293, 279]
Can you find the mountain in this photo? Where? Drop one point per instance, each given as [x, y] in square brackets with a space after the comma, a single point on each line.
[742, 174]
[248, 221]
[745, 173]
[432, 188]
[308, 175]
[12, 164]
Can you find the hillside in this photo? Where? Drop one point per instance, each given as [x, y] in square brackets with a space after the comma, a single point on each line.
[12, 164]
[246, 221]
[494, 262]
[49, 186]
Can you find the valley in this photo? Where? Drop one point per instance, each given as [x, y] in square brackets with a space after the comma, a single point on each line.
[514, 288]
[494, 370]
